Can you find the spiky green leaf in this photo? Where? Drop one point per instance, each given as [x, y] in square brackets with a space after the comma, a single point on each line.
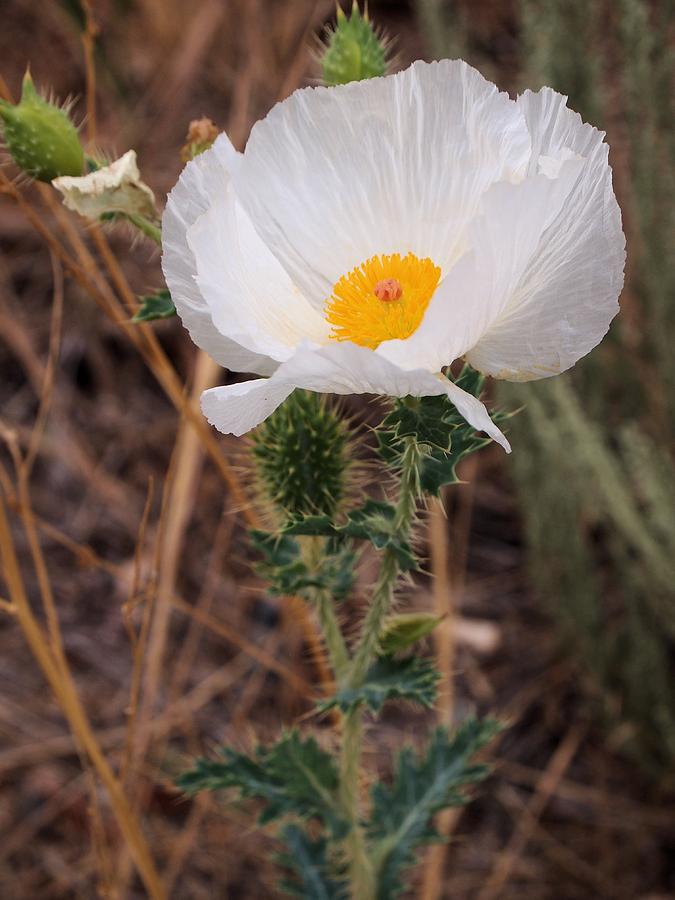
[288, 573]
[402, 813]
[293, 776]
[312, 871]
[373, 521]
[436, 424]
[411, 679]
[155, 306]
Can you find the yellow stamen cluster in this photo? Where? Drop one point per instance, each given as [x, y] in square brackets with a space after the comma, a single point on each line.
[383, 298]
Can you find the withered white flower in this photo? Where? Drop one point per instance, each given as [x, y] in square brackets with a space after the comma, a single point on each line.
[114, 188]
[372, 233]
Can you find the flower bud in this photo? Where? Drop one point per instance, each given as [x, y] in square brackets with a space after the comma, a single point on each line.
[354, 49]
[40, 136]
[116, 188]
[301, 457]
[200, 136]
[402, 630]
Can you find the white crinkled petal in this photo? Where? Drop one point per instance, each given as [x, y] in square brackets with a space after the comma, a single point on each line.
[251, 298]
[568, 294]
[190, 199]
[504, 239]
[338, 369]
[334, 176]
[113, 188]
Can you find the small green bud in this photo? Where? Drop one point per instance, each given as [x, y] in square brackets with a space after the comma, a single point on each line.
[40, 136]
[301, 456]
[404, 629]
[354, 49]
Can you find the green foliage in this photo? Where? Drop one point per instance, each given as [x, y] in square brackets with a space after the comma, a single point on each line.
[302, 457]
[293, 776]
[354, 49]
[289, 573]
[374, 521]
[560, 46]
[438, 427]
[308, 861]
[597, 477]
[404, 629]
[388, 678]
[40, 136]
[401, 818]
[617, 615]
[155, 306]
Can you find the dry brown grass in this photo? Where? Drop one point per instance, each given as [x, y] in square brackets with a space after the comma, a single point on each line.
[134, 632]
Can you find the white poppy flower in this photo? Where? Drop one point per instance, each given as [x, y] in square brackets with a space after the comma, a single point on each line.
[114, 188]
[374, 232]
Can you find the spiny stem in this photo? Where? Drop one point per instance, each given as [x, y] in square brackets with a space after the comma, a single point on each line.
[362, 874]
[149, 229]
[313, 549]
[381, 600]
[361, 870]
[332, 635]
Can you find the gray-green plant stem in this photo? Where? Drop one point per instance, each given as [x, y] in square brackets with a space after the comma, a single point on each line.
[362, 874]
[313, 550]
[149, 229]
[332, 634]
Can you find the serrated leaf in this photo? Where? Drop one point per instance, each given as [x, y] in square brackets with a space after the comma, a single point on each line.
[401, 818]
[155, 306]
[439, 468]
[436, 424]
[405, 629]
[311, 525]
[411, 679]
[373, 521]
[292, 776]
[422, 418]
[288, 574]
[307, 859]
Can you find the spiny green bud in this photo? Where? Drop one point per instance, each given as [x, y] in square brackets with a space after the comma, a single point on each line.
[354, 49]
[301, 455]
[40, 136]
[404, 629]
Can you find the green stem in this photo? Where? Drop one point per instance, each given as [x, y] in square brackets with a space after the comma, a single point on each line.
[362, 872]
[154, 232]
[313, 550]
[332, 634]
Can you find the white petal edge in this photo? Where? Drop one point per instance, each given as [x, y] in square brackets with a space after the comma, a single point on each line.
[333, 176]
[503, 241]
[337, 369]
[249, 294]
[189, 199]
[568, 295]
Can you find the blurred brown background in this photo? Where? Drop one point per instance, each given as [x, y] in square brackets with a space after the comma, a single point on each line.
[555, 567]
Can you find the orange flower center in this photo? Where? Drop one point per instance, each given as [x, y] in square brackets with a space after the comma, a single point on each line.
[382, 299]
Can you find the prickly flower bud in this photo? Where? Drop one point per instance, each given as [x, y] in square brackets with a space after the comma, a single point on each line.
[40, 136]
[200, 135]
[116, 188]
[301, 456]
[354, 49]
